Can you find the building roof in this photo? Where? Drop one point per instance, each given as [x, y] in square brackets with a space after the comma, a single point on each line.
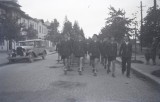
[10, 3]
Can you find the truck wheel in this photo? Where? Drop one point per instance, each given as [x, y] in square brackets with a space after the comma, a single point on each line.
[31, 58]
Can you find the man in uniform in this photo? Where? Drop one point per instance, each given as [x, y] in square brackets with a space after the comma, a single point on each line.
[94, 53]
[79, 51]
[126, 54]
[112, 54]
[102, 51]
[66, 51]
[106, 50]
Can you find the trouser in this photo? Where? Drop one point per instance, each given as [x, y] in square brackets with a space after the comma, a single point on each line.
[126, 65]
[59, 57]
[66, 62]
[106, 63]
[102, 60]
[113, 66]
[111, 62]
[81, 62]
[94, 63]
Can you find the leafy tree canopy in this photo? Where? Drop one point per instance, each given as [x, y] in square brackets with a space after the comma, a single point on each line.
[117, 25]
[151, 26]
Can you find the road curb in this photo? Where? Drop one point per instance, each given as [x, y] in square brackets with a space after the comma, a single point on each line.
[146, 75]
[5, 63]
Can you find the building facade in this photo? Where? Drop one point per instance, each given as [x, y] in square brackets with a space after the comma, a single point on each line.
[12, 8]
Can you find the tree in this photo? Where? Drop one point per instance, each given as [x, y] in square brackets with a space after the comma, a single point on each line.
[81, 32]
[31, 33]
[67, 27]
[150, 28]
[117, 25]
[53, 31]
[11, 28]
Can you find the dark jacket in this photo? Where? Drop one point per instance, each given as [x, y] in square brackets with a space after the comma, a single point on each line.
[126, 50]
[66, 48]
[79, 48]
[112, 49]
[58, 47]
[94, 49]
[102, 48]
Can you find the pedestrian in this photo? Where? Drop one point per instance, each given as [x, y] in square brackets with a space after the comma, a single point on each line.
[154, 51]
[79, 50]
[94, 53]
[105, 52]
[147, 54]
[66, 50]
[88, 50]
[102, 51]
[112, 54]
[58, 49]
[126, 54]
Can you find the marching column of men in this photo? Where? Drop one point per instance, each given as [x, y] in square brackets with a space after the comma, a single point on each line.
[106, 50]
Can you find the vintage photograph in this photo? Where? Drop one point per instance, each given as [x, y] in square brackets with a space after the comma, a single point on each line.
[79, 50]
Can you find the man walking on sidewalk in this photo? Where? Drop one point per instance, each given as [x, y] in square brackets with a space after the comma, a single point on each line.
[126, 54]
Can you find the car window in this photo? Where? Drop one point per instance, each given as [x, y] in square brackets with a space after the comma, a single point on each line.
[37, 44]
[30, 43]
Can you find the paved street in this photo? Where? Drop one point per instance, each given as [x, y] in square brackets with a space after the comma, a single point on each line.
[3, 58]
[44, 81]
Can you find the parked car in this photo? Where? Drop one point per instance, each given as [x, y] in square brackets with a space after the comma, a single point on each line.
[29, 50]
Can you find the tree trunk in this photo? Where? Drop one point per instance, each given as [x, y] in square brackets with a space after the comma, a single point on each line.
[10, 44]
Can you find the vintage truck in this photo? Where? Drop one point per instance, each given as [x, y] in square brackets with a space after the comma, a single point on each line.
[29, 50]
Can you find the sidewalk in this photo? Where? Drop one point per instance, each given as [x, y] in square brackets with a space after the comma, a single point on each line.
[3, 58]
[145, 70]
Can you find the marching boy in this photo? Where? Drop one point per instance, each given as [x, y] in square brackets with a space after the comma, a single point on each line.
[79, 52]
[66, 50]
[112, 54]
[94, 53]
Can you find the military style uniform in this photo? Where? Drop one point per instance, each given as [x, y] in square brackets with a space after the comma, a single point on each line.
[112, 51]
[79, 49]
[102, 51]
[126, 54]
[94, 51]
[65, 49]
[106, 48]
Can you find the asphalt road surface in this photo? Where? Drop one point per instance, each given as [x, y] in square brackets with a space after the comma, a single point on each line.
[44, 81]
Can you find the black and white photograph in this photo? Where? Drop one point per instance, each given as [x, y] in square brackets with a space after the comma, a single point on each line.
[79, 50]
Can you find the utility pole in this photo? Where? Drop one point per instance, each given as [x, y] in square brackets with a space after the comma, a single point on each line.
[141, 25]
[135, 58]
[141, 28]
[155, 16]
[155, 5]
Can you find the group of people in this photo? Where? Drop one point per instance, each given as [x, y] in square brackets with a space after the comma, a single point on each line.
[104, 51]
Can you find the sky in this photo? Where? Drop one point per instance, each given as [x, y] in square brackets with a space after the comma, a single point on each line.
[90, 14]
